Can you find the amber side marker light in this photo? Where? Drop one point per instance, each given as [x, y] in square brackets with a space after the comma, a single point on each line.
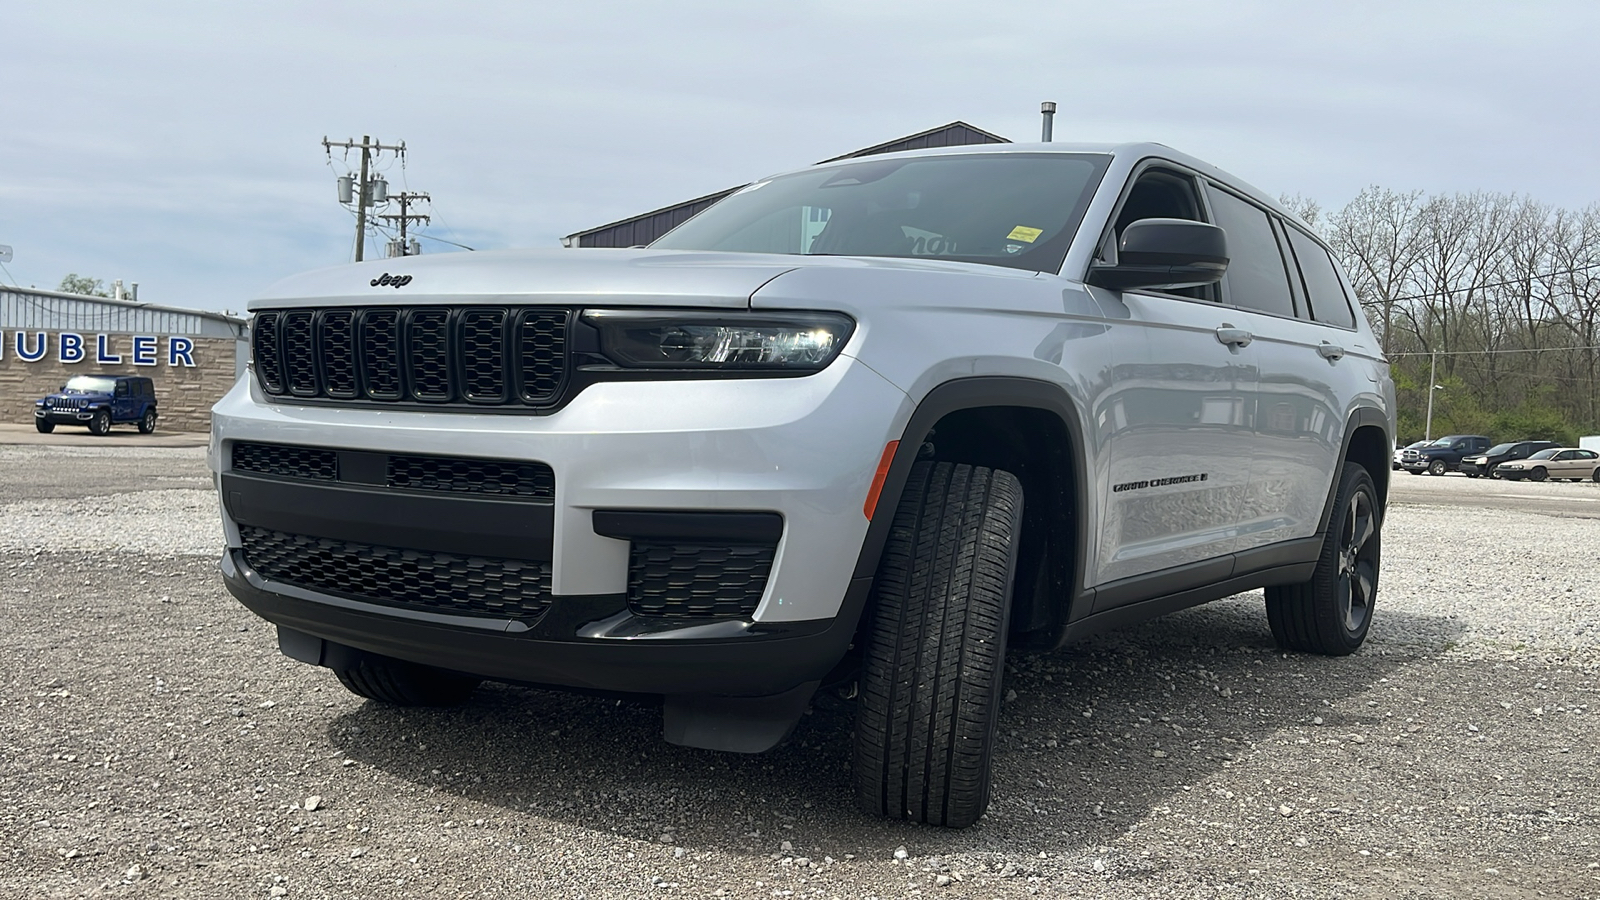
[879, 477]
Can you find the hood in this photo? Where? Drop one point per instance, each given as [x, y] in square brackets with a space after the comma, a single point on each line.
[557, 277]
[585, 277]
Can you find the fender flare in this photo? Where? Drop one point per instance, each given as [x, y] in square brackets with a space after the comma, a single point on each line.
[974, 393]
[1361, 417]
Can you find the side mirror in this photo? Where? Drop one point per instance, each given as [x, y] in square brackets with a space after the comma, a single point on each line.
[1165, 253]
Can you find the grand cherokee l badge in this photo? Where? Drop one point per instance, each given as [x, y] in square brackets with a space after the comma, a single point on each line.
[398, 281]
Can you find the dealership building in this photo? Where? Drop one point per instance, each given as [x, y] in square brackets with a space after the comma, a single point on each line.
[46, 337]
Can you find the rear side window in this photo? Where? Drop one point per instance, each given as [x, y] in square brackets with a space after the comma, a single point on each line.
[1256, 278]
[1329, 305]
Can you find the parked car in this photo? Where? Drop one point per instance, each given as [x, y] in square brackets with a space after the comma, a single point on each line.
[98, 401]
[1443, 455]
[868, 424]
[1400, 451]
[1478, 466]
[1560, 463]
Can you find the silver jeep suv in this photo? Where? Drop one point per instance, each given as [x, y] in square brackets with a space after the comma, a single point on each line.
[867, 425]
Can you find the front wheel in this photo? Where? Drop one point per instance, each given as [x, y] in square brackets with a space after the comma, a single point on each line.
[1331, 613]
[400, 683]
[147, 422]
[1539, 473]
[935, 654]
[1595, 477]
[46, 426]
[1437, 467]
[101, 423]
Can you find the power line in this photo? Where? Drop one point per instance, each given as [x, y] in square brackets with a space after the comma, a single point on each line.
[1479, 287]
[1488, 352]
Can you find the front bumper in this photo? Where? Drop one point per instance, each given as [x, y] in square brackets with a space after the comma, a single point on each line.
[743, 659]
[65, 416]
[803, 448]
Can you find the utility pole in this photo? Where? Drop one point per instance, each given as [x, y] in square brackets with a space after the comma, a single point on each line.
[363, 191]
[406, 198]
[1433, 368]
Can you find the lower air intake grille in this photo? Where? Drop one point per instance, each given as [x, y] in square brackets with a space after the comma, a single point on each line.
[684, 581]
[286, 462]
[423, 580]
[472, 476]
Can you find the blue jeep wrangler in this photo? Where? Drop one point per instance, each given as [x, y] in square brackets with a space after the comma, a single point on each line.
[98, 401]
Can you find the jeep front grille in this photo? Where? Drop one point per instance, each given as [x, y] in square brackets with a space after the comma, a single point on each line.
[469, 356]
[421, 580]
[681, 581]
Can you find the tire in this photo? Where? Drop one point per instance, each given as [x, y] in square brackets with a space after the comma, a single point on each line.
[1331, 613]
[1595, 477]
[935, 647]
[1539, 473]
[1437, 467]
[147, 422]
[400, 683]
[45, 426]
[101, 423]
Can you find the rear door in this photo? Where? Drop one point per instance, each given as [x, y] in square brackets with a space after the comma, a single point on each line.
[1313, 363]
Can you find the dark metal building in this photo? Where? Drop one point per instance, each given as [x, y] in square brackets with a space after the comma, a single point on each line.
[646, 227]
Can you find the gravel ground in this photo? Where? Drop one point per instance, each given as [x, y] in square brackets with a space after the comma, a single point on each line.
[153, 742]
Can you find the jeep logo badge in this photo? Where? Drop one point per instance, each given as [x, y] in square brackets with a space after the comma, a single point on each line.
[397, 281]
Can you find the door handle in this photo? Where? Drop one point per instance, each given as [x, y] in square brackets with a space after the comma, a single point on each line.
[1330, 352]
[1234, 337]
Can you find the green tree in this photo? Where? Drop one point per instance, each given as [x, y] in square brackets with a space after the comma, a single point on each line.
[84, 285]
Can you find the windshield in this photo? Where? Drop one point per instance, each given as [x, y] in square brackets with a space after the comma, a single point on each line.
[1499, 449]
[1546, 454]
[1008, 209]
[90, 384]
[1443, 442]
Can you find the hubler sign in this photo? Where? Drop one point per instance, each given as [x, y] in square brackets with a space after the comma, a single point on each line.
[70, 347]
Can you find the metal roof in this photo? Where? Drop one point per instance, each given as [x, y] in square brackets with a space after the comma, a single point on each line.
[646, 227]
[55, 311]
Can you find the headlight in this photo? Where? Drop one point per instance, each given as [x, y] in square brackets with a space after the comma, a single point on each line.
[651, 339]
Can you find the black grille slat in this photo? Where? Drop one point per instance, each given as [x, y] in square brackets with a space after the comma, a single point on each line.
[264, 337]
[428, 354]
[336, 333]
[380, 354]
[422, 580]
[299, 354]
[483, 355]
[472, 476]
[542, 354]
[286, 462]
[477, 356]
[682, 581]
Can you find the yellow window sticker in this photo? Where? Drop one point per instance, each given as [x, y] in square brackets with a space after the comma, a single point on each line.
[1024, 233]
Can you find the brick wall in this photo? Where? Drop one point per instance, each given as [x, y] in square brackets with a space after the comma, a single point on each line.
[184, 394]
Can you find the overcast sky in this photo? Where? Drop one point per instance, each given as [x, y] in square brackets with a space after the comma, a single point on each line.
[178, 144]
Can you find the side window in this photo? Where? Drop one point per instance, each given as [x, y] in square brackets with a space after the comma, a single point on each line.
[1588, 454]
[1256, 278]
[122, 389]
[1329, 305]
